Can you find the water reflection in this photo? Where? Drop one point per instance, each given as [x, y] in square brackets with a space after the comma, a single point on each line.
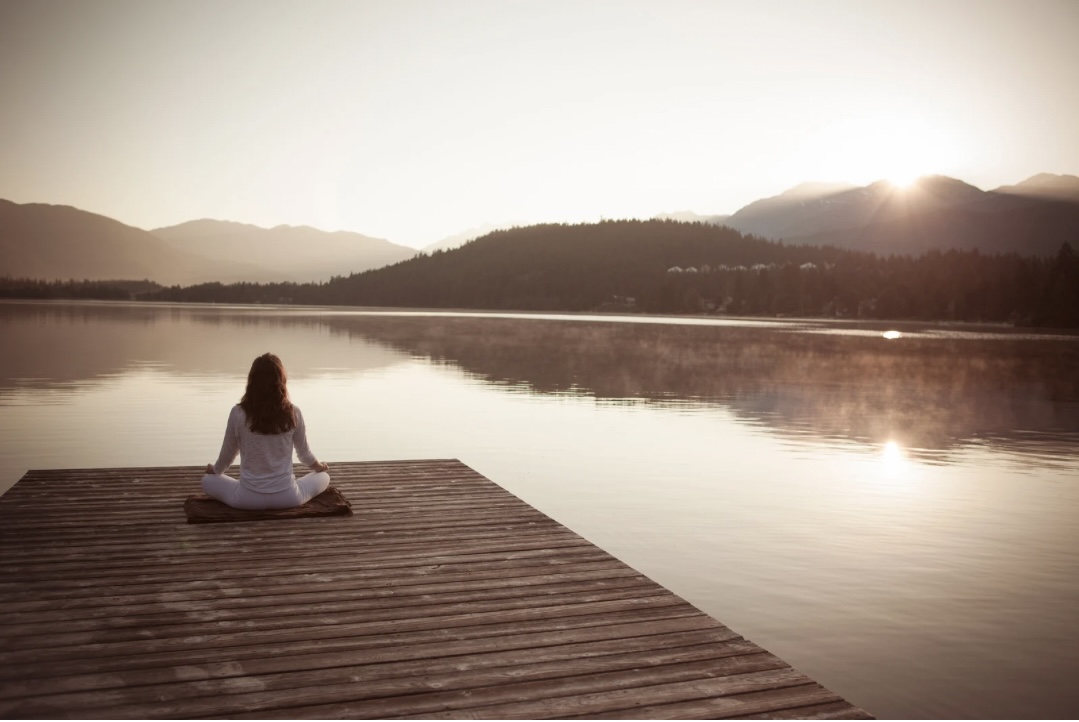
[933, 394]
[67, 346]
[892, 454]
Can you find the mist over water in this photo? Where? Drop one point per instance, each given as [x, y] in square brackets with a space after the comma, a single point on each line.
[893, 515]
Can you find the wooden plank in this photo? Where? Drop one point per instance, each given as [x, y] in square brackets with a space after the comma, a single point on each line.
[105, 496]
[442, 596]
[386, 522]
[574, 700]
[105, 633]
[369, 526]
[569, 696]
[373, 524]
[829, 710]
[208, 553]
[424, 579]
[483, 571]
[236, 604]
[261, 691]
[379, 641]
[343, 662]
[786, 701]
[243, 543]
[120, 628]
[219, 584]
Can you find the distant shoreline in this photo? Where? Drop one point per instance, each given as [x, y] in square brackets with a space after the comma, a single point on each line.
[867, 324]
[655, 267]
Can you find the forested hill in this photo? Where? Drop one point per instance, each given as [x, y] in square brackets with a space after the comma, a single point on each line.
[568, 267]
[670, 267]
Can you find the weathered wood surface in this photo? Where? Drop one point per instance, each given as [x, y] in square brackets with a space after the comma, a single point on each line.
[443, 596]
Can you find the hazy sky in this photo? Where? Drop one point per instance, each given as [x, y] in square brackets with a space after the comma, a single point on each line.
[415, 120]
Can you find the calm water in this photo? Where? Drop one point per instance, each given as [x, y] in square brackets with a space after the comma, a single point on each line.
[895, 517]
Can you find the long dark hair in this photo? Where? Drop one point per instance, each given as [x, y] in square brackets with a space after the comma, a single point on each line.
[265, 400]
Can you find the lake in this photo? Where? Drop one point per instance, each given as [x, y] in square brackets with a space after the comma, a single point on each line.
[891, 508]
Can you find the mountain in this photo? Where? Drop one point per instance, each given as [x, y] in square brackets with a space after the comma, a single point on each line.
[459, 239]
[691, 217]
[782, 215]
[1034, 217]
[1046, 185]
[287, 253]
[812, 208]
[935, 213]
[659, 266]
[49, 242]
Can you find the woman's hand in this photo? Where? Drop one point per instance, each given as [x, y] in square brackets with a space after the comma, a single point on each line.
[209, 468]
[320, 467]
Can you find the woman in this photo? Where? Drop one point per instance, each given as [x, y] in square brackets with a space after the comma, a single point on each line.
[263, 429]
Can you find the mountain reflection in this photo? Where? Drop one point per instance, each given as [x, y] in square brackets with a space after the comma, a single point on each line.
[55, 344]
[930, 395]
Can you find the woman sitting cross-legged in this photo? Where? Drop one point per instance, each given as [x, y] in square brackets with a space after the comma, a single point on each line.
[264, 429]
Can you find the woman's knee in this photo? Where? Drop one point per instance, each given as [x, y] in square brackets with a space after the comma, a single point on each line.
[314, 484]
[219, 486]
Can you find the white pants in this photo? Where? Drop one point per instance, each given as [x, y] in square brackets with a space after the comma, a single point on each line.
[232, 492]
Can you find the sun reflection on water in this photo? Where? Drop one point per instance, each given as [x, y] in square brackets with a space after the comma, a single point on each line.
[892, 335]
[894, 462]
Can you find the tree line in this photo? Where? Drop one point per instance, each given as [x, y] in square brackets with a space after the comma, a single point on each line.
[662, 266]
[117, 290]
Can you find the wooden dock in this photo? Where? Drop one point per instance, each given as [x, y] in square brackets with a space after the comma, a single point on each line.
[443, 596]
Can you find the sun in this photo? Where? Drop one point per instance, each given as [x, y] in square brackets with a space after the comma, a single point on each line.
[898, 149]
[902, 180]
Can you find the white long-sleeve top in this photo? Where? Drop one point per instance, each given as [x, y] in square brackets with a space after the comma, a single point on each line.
[265, 459]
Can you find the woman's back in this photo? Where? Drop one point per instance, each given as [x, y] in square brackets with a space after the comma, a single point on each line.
[263, 430]
[266, 459]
